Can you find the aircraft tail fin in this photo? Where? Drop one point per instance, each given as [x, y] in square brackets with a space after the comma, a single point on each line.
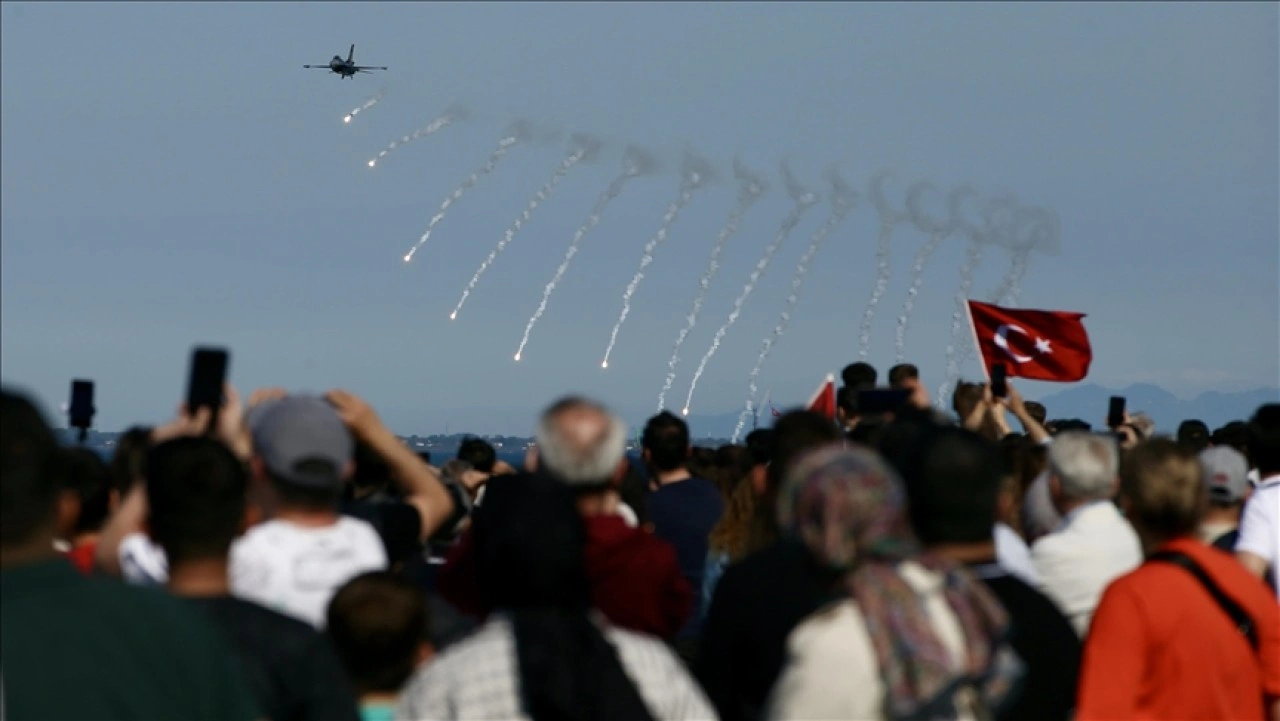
[351, 54]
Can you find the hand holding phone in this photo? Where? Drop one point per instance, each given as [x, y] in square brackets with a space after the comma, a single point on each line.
[80, 410]
[1115, 412]
[208, 375]
[999, 381]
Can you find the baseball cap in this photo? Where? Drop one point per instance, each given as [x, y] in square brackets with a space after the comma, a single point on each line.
[301, 428]
[1226, 474]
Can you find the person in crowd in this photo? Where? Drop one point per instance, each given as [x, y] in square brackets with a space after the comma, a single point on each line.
[634, 577]
[905, 376]
[1258, 545]
[89, 485]
[956, 486]
[1163, 645]
[479, 453]
[127, 460]
[847, 415]
[911, 634]
[197, 497]
[82, 647]
[381, 628]
[1225, 474]
[1234, 435]
[1094, 544]
[1037, 411]
[729, 540]
[1143, 424]
[760, 599]
[683, 509]
[859, 376]
[544, 654]
[1194, 435]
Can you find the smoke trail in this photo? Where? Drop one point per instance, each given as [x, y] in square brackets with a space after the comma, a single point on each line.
[365, 106]
[694, 174]
[888, 218]
[804, 200]
[494, 158]
[751, 189]
[636, 162]
[587, 146]
[1032, 228]
[843, 199]
[937, 230]
[451, 116]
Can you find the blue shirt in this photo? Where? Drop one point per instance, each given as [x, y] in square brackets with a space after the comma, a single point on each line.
[683, 514]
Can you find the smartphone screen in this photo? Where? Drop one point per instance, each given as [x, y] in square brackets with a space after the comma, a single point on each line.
[208, 373]
[999, 386]
[1115, 412]
[80, 410]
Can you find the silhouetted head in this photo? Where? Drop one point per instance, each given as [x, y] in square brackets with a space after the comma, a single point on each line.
[666, 442]
[1194, 435]
[1264, 439]
[859, 375]
[479, 453]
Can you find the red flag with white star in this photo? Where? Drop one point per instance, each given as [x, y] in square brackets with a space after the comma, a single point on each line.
[1042, 345]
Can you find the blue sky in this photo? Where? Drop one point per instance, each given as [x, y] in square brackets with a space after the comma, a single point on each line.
[172, 176]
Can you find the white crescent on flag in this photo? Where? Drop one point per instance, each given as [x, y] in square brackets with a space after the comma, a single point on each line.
[1001, 339]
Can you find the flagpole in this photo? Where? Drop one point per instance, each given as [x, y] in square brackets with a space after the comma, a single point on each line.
[977, 349]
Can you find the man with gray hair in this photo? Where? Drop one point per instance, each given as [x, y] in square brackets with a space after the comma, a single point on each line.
[635, 578]
[1094, 544]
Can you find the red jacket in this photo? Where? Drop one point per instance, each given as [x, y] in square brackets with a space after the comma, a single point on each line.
[635, 579]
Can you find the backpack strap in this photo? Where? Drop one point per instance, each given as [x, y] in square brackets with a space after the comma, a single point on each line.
[1233, 610]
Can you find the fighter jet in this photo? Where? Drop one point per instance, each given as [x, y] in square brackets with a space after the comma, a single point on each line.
[346, 68]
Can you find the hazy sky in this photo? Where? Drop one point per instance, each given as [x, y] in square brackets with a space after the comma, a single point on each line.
[172, 176]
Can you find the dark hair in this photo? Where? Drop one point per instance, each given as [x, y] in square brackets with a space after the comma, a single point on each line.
[859, 375]
[1235, 435]
[1264, 439]
[128, 463]
[479, 453]
[1037, 411]
[633, 489]
[28, 491]
[759, 444]
[901, 373]
[308, 497]
[425, 456]
[666, 437]
[1193, 435]
[377, 622]
[952, 480]
[85, 473]
[793, 434]
[196, 492]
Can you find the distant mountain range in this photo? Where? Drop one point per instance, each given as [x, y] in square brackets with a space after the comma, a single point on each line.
[1087, 402]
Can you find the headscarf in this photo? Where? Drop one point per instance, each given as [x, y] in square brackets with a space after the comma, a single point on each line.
[529, 549]
[849, 509]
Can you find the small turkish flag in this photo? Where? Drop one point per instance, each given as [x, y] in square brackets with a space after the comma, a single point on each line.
[1042, 345]
[824, 401]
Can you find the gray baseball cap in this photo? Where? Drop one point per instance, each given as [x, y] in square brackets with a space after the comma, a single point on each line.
[1225, 473]
[301, 428]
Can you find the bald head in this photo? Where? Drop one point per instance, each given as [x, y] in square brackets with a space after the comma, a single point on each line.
[581, 442]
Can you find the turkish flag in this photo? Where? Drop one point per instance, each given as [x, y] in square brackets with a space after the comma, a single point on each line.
[824, 400]
[1042, 345]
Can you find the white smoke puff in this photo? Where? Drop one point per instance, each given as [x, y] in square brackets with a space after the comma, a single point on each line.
[455, 114]
[843, 200]
[937, 230]
[518, 131]
[695, 172]
[889, 217]
[584, 148]
[804, 199]
[751, 187]
[635, 162]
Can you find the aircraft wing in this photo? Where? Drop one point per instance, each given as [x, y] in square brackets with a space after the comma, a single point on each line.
[366, 68]
[317, 67]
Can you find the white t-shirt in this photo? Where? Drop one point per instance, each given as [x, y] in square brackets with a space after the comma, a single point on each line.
[1260, 523]
[289, 568]
[296, 569]
[1013, 554]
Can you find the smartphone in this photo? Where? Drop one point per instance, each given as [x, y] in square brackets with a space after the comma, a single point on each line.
[80, 411]
[1115, 412]
[999, 381]
[873, 401]
[208, 374]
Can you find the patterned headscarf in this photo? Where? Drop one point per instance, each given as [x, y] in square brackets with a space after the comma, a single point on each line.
[849, 508]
